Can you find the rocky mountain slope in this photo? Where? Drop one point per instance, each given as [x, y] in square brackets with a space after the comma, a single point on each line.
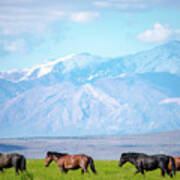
[89, 95]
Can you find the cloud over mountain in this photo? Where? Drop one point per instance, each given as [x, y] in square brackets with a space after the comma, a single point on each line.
[159, 33]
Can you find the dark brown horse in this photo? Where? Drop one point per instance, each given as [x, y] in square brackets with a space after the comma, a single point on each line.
[68, 162]
[15, 160]
[177, 164]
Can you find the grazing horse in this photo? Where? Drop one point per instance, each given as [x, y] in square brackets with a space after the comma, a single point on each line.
[177, 164]
[144, 162]
[68, 162]
[10, 160]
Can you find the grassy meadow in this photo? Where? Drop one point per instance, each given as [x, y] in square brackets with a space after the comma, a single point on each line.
[107, 170]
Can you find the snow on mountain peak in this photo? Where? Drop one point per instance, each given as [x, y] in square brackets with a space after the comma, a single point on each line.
[69, 62]
[45, 68]
[164, 58]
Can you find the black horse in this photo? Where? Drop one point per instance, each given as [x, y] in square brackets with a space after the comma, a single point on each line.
[144, 162]
[15, 160]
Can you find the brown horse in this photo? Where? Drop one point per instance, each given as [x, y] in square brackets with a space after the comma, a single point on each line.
[68, 162]
[10, 160]
[177, 164]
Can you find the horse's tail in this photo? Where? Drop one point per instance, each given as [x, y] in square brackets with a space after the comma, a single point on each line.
[91, 161]
[23, 163]
[173, 165]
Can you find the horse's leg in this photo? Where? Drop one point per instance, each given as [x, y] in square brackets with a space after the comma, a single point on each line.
[62, 169]
[138, 168]
[82, 171]
[162, 173]
[137, 171]
[65, 171]
[84, 166]
[17, 164]
[85, 170]
[17, 169]
[1, 169]
[170, 173]
[165, 170]
[142, 171]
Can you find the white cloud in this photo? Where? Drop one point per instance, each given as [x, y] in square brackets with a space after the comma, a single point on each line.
[84, 16]
[17, 45]
[170, 100]
[127, 5]
[131, 5]
[17, 20]
[102, 4]
[33, 21]
[32, 16]
[159, 33]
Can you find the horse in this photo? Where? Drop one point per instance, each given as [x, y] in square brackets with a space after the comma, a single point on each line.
[15, 160]
[144, 162]
[177, 164]
[68, 162]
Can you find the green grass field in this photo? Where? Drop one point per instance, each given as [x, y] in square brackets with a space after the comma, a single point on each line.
[107, 170]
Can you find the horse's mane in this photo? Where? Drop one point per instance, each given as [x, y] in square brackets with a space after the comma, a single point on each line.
[57, 154]
[132, 154]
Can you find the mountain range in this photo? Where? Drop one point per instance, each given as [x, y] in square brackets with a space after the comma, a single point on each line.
[83, 94]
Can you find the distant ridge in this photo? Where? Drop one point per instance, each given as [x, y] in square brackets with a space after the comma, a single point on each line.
[83, 94]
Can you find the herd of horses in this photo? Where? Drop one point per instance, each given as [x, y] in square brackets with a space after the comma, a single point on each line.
[142, 162]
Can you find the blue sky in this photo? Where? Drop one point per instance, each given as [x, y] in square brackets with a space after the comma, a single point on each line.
[35, 31]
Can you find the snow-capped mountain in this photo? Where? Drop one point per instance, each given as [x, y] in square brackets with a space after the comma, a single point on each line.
[164, 58]
[83, 94]
[63, 66]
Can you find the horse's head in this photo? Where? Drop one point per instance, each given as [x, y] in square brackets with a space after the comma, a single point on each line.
[48, 159]
[123, 159]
